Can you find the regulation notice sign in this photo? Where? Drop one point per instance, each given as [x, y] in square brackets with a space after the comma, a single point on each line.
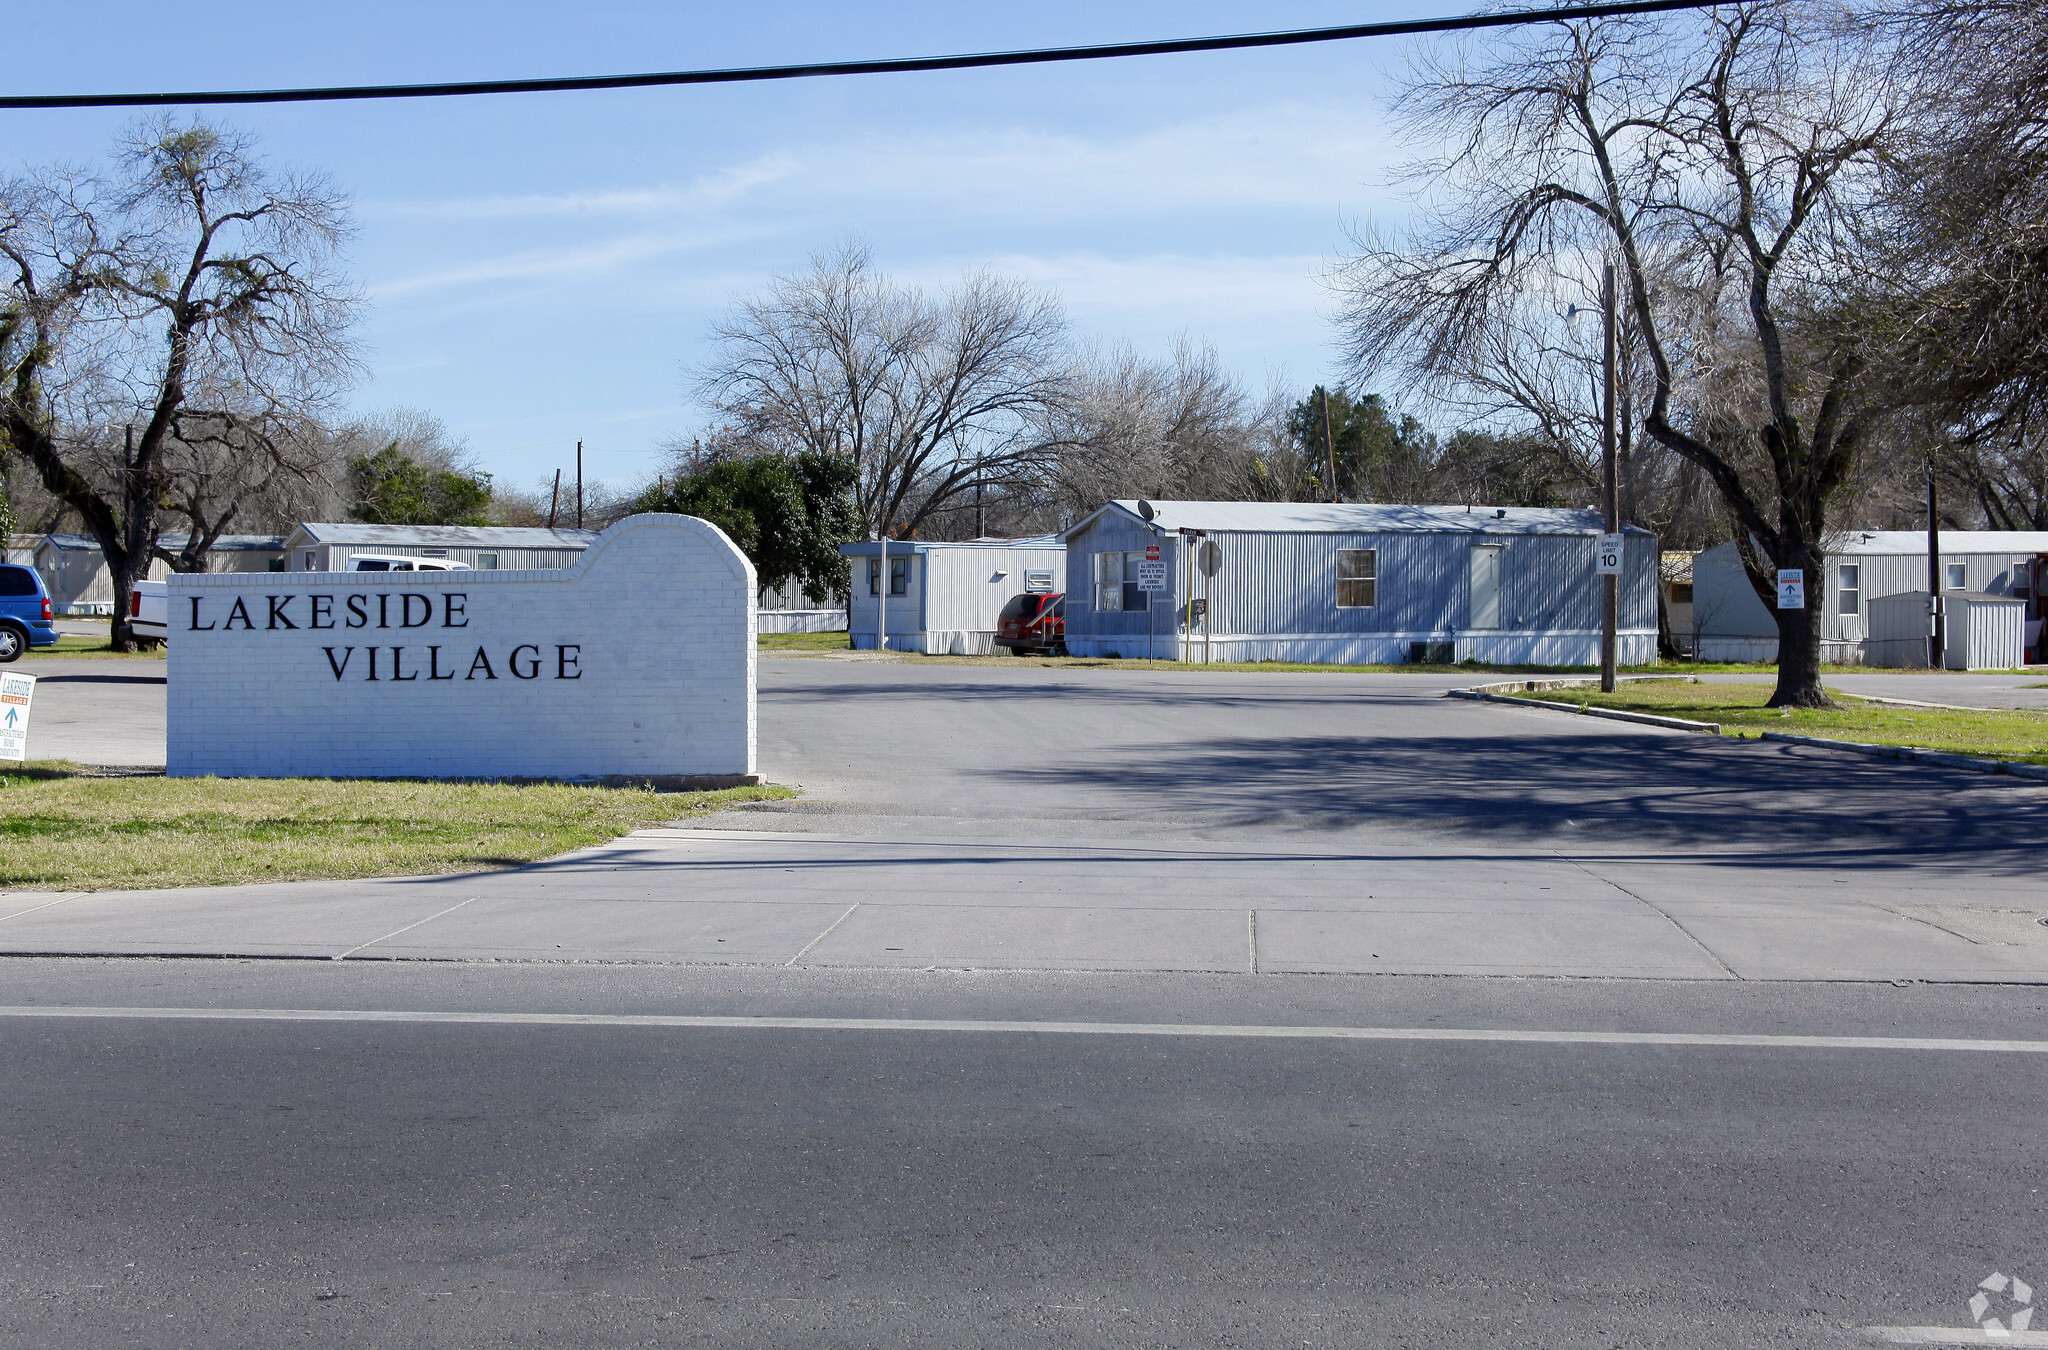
[1791, 588]
[17, 695]
[1151, 575]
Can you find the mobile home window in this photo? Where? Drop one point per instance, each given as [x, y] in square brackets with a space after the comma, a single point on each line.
[487, 561]
[899, 576]
[1955, 577]
[1109, 582]
[1357, 578]
[1851, 575]
[1133, 597]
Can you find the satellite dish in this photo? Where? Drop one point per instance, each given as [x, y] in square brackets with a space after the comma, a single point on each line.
[1146, 510]
[1209, 556]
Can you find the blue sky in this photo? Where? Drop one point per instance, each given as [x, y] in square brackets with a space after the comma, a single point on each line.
[541, 268]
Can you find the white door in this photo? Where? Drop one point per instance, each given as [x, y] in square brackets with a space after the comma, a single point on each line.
[1485, 586]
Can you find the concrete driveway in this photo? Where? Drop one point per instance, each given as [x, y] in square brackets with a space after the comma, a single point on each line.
[1036, 818]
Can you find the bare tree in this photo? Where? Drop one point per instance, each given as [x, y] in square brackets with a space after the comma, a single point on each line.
[1180, 428]
[133, 297]
[1959, 291]
[1722, 162]
[927, 395]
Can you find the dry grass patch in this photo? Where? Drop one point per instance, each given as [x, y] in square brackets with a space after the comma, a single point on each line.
[2018, 734]
[64, 829]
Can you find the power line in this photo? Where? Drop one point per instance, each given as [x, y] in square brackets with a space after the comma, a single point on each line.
[899, 65]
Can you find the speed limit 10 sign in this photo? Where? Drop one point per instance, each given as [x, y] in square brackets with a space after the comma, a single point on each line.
[1610, 555]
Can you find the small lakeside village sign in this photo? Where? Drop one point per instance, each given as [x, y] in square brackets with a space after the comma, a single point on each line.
[636, 662]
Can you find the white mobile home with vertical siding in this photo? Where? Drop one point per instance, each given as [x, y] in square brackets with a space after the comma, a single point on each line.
[944, 598]
[326, 546]
[1734, 625]
[1302, 581]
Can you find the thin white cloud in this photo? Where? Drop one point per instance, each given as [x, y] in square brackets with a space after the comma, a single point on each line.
[703, 196]
[1294, 155]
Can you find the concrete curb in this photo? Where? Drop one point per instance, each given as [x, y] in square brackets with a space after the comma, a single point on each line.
[2016, 768]
[1482, 694]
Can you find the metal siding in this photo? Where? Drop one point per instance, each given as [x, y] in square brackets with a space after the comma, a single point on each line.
[1727, 607]
[1285, 584]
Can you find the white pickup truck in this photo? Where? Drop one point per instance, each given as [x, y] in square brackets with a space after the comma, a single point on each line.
[149, 606]
[149, 611]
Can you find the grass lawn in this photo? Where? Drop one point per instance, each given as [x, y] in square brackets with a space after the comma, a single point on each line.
[1739, 708]
[72, 647]
[803, 642]
[61, 829]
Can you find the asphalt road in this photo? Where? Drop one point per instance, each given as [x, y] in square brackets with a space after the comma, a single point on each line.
[371, 1183]
[536, 1137]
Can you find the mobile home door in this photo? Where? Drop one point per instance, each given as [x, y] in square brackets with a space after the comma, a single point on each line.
[1485, 586]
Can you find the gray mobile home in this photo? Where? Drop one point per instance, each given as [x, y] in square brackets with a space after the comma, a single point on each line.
[944, 598]
[75, 572]
[1733, 625]
[326, 546]
[1301, 581]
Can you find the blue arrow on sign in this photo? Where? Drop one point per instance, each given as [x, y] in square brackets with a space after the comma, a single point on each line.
[13, 716]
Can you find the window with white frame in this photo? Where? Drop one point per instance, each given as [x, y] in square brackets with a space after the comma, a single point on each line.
[1849, 578]
[1109, 583]
[1357, 578]
[1956, 577]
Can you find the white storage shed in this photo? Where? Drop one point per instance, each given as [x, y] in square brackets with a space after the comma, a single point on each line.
[944, 598]
[1979, 632]
[1732, 623]
[1355, 584]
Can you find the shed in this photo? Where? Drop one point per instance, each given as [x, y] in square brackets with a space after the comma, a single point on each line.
[944, 598]
[1863, 567]
[21, 549]
[1979, 632]
[326, 546]
[1354, 584]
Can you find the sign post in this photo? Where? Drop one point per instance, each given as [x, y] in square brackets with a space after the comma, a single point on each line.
[1151, 581]
[17, 695]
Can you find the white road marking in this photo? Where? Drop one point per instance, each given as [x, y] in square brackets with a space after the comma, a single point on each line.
[822, 936]
[407, 929]
[1675, 1039]
[33, 909]
[1954, 1336]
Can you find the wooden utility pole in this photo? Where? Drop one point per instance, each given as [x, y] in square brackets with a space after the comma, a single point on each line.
[1610, 481]
[1329, 443]
[579, 485]
[555, 501]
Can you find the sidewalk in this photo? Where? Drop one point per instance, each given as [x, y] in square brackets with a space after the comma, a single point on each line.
[748, 897]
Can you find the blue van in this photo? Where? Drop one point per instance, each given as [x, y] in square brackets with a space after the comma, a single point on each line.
[24, 612]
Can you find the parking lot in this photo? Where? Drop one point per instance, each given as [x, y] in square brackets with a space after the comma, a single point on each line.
[1034, 818]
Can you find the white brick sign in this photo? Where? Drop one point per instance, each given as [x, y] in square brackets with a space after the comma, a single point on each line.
[638, 661]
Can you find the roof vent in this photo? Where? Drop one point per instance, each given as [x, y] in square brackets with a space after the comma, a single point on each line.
[1500, 513]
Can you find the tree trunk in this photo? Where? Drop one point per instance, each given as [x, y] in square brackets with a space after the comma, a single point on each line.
[1799, 639]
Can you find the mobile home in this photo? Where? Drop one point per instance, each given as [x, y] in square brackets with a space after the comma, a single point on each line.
[1352, 584]
[944, 598]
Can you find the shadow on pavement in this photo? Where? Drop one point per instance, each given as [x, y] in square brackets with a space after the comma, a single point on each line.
[1581, 793]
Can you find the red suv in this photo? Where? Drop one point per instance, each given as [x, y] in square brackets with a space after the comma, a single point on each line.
[1034, 622]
